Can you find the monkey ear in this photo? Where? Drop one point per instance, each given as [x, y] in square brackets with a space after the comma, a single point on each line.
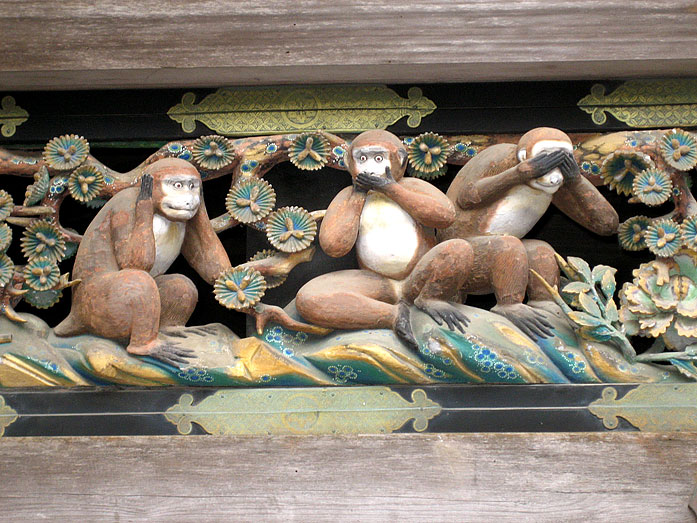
[522, 155]
[402, 157]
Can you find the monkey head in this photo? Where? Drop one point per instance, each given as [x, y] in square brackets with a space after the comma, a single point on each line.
[544, 139]
[176, 193]
[374, 151]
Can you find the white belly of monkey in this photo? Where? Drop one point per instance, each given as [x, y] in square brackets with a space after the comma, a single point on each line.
[388, 237]
[169, 237]
[518, 211]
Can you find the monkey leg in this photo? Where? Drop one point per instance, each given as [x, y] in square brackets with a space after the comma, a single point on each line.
[505, 260]
[541, 259]
[178, 298]
[350, 299]
[501, 266]
[437, 279]
[121, 305]
[126, 305]
[440, 273]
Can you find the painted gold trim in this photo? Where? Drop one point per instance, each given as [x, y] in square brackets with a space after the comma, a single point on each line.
[650, 407]
[7, 416]
[645, 103]
[279, 110]
[11, 116]
[347, 410]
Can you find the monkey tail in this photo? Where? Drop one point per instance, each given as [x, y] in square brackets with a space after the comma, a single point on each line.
[70, 326]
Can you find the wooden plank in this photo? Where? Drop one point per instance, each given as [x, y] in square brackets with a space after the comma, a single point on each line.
[149, 43]
[478, 477]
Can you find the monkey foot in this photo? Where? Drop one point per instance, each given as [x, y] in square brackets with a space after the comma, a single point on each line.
[444, 311]
[402, 327]
[265, 313]
[527, 319]
[166, 352]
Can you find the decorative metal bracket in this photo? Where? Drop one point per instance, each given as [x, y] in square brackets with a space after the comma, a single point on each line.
[364, 410]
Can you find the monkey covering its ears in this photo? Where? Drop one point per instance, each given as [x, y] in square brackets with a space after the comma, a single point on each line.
[125, 252]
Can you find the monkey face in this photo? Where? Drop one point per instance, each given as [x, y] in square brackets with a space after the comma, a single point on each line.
[371, 159]
[551, 181]
[374, 152]
[177, 197]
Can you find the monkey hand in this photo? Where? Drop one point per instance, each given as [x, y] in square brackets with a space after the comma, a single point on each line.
[542, 163]
[367, 181]
[569, 168]
[146, 183]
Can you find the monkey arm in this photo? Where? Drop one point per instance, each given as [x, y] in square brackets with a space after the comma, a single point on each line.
[424, 202]
[134, 241]
[339, 229]
[489, 189]
[202, 248]
[584, 204]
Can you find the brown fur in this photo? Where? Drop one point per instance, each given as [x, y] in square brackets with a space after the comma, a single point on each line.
[118, 298]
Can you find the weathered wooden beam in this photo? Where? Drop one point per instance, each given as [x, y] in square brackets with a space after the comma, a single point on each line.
[149, 43]
[456, 477]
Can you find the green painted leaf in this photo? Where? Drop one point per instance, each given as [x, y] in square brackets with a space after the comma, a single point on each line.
[611, 313]
[589, 304]
[608, 283]
[582, 318]
[599, 333]
[576, 287]
[580, 266]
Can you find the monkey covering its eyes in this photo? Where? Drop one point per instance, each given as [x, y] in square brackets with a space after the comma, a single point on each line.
[499, 196]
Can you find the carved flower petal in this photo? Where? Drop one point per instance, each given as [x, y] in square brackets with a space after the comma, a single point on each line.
[37, 190]
[620, 168]
[427, 175]
[291, 229]
[239, 288]
[43, 299]
[5, 236]
[663, 237]
[6, 205]
[652, 187]
[213, 152]
[250, 200]
[679, 149]
[656, 325]
[7, 269]
[309, 151]
[686, 326]
[428, 153]
[688, 231]
[85, 183]
[66, 152]
[42, 239]
[41, 274]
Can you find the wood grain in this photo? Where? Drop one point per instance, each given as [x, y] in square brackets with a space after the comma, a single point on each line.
[149, 43]
[475, 477]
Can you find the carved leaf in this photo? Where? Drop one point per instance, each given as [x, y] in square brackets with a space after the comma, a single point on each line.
[580, 266]
[589, 304]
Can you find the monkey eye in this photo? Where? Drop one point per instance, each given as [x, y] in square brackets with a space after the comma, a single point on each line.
[363, 157]
[178, 185]
[191, 186]
[378, 158]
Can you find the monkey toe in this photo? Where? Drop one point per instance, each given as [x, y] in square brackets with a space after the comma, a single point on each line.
[402, 327]
[443, 311]
[172, 355]
[527, 319]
